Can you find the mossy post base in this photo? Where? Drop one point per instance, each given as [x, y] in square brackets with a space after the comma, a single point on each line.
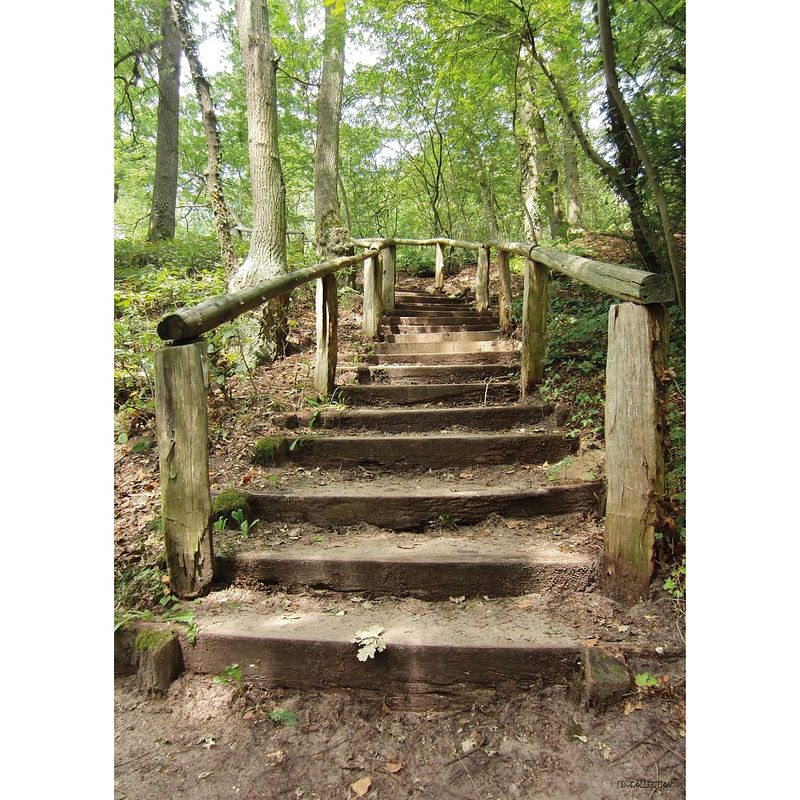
[182, 428]
[637, 354]
[327, 335]
[482, 280]
[534, 325]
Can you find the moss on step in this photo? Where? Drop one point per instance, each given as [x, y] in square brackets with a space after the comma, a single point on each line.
[150, 639]
[228, 501]
[269, 451]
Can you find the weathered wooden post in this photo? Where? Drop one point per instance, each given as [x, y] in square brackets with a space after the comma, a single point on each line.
[438, 283]
[505, 289]
[534, 325]
[482, 280]
[372, 297]
[182, 428]
[637, 356]
[388, 258]
[327, 334]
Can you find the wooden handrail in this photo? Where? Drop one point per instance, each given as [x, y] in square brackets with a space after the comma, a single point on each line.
[624, 283]
[192, 321]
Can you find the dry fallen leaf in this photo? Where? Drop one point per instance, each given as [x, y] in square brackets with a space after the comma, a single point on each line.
[524, 602]
[540, 526]
[393, 766]
[513, 524]
[361, 786]
[468, 745]
[630, 707]
[277, 756]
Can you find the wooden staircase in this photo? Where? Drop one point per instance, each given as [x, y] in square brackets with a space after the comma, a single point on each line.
[432, 564]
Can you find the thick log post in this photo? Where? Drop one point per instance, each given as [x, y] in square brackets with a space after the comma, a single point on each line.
[637, 356]
[438, 284]
[482, 280]
[327, 335]
[372, 297]
[534, 325]
[388, 256]
[182, 427]
[505, 289]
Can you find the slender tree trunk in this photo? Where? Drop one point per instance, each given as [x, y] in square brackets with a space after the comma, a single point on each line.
[165, 183]
[265, 336]
[610, 69]
[222, 219]
[332, 239]
[571, 177]
[645, 242]
[526, 143]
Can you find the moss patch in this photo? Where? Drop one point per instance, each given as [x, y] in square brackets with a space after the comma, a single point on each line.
[150, 638]
[228, 501]
[269, 451]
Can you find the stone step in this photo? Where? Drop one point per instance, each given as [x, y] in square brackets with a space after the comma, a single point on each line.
[439, 346]
[402, 451]
[408, 420]
[455, 336]
[399, 394]
[431, 373]
[407, 507]
[490, 356]
[434, 569]
[429, 647]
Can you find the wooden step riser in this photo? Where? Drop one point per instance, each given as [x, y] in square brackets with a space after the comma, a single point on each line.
[510, 357]
[455, 336]
[399, 394]
[433, 301]
[415, 511]
[401, 668]
[417, 420]
[404, 577]
[457, 328]
[427, 450]
[408, 348]
[443, 319]
[456, 373]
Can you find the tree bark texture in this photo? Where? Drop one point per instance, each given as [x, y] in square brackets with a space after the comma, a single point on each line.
[634, 425]
[182, 430]
[165, 182]
[222, 218]
[264, 335]
[526, 143]
[610, 69]
[332, 239]
[327, 335]
[571, 177]
[534, 325]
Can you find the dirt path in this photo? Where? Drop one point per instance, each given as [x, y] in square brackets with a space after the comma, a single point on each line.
[206, 741]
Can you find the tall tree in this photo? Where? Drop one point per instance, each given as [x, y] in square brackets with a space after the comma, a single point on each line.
[616, 97]
[332, 239]
[222, 218]
[267, 256]
[165, 183]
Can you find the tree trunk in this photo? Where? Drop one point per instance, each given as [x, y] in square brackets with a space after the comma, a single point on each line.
[610, 69]
[165, 183]
[571, 177]
[265, 335]
[529, 165]
[332, 239]
[222, 218]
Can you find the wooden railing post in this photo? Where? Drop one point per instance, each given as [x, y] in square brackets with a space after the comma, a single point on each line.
[372, 297]
[438, 283]
[482, 280]
[181, 404]
[534, 325]
[327, 335]
[505, 289]
[388, 258]
[637, 356]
